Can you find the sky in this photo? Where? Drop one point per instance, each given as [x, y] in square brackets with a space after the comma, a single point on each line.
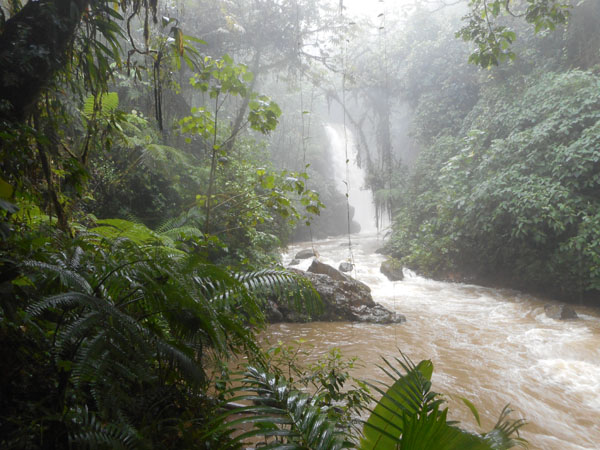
[365, 7]
[372, 8]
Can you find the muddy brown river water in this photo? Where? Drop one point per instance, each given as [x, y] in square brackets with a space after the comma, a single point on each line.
[492, 346]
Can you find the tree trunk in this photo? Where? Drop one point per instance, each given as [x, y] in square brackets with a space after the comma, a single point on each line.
[43, 152]
[213, 167]
[33, 45]
[237, 125]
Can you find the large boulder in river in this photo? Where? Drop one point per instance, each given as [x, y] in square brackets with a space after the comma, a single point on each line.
[560, 312]
[392, 269]
[325, 269]
[343, 300]
[306, 253]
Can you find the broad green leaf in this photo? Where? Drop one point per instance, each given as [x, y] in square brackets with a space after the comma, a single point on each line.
[386, 423]
[428, 432]
[6, 190]
[473, 409]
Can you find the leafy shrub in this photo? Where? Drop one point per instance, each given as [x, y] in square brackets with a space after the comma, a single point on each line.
[407, 415]
[110, 335]
[515, 196]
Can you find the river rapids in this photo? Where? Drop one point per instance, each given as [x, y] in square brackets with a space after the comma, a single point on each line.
[491, 346]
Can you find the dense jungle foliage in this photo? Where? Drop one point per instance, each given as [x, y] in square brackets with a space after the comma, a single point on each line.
[148, 183]
[505, 187]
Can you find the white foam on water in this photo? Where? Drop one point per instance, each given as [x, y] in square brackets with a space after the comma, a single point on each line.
[574, 376]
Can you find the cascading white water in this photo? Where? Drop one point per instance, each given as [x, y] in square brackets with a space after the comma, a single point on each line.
[348, 172]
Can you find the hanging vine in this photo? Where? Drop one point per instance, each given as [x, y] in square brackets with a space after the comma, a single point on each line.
[347, 160]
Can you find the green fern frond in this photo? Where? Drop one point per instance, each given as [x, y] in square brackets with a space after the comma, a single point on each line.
[114, 228]
[190, 368]
[76, 259]
[177, 233]
[68, 278]
[285, 285]
[77, 330]
[164, 154]
[192, 218]
[105, 104]
[65, 301]
[131, 217]
[168, 224]
[94, 434]
[139, 311]
[293, 415]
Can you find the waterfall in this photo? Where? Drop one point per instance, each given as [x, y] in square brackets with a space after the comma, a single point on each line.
[359, 197]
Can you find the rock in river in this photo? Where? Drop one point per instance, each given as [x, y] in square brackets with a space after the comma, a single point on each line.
[392, 269]
[306, 253]
[560, 312]
[325, 269]
[345, 267]
[344, 299]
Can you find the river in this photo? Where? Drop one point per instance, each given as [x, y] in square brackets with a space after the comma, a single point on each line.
[491, 346]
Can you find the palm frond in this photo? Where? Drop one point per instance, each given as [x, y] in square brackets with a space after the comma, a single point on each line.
[503, 434]
[409, 416]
